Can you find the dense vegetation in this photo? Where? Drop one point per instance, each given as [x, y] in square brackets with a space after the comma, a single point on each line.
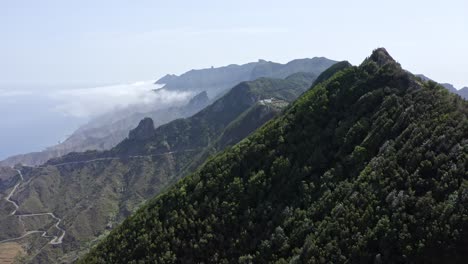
[368, 166]
[93, 191]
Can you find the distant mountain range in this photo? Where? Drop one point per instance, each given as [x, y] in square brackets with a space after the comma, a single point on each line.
[91, 192]
[106, 131]
[216, 81]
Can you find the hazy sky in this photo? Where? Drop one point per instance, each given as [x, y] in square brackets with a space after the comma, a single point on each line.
[91, 42]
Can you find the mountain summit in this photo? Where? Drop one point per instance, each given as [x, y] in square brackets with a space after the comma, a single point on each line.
[368, 166]
[381, 57]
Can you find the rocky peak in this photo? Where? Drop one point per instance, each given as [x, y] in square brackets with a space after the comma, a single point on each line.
[143, 131]
[381, 57]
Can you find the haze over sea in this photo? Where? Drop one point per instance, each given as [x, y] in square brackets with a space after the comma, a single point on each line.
[36, 116]
[25, 109]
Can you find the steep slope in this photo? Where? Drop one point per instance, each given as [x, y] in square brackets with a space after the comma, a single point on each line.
[368, 166]
[325, 75]
[249, 121]
[92, 191]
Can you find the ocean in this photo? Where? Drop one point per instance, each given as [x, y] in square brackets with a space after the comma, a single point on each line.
[30, 119]
[34, 117]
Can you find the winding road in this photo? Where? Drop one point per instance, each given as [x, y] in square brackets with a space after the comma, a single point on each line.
[58, 239]
[117, 158]
[8, 198]
[55, 239]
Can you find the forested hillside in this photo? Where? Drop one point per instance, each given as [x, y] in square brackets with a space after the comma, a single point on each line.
[93, 191]
[369, 166]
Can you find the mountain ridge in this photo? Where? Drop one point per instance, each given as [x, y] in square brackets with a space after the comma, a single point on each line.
[105, 132]
[367, 166]
[95, 190]
[216, 80]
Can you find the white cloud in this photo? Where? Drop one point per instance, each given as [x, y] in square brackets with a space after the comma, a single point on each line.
[88, 102]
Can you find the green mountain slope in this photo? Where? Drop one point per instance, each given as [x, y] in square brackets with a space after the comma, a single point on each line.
[463, 92]
[366, 167]
[325, 75]
[93, 191]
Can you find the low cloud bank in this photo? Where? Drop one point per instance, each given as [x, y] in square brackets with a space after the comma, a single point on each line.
[90, 102]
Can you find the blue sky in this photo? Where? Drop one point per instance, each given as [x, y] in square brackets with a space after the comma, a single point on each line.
[102, 42]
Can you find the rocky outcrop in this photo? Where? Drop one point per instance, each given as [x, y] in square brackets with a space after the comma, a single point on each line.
[381, 57]
[145, 130]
